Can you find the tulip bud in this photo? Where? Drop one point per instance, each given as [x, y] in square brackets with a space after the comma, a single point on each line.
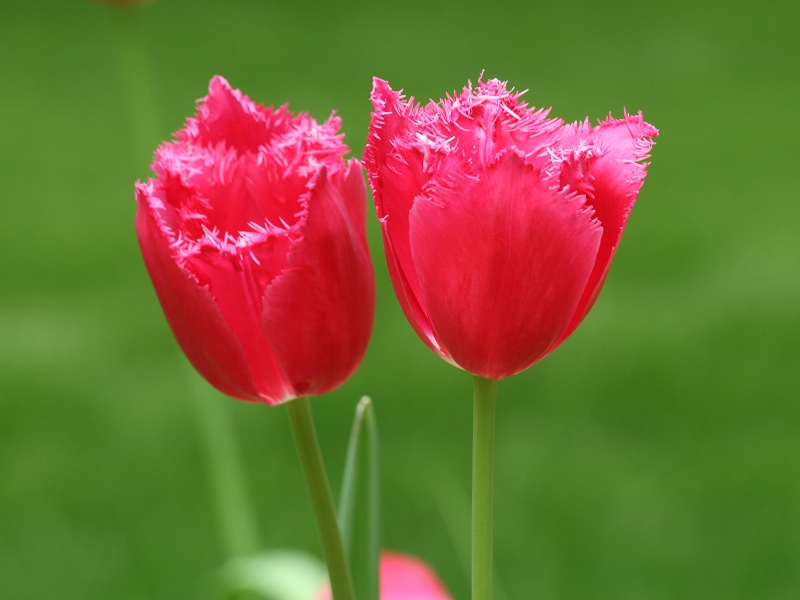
[253, 233]
[499, 224]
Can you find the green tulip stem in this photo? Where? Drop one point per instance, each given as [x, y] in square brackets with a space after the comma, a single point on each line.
[305, 436]
[484, 400]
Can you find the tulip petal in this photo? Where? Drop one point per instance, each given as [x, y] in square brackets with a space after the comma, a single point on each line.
[502, 261]
[233, 275]
[314, 312]
[233, 281]
[613, 178]
[397, 177]
[194, 317]
[229, 117]
[404, 577]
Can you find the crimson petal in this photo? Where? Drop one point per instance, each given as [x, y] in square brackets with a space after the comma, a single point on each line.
[614, 176]
[397, 175]
[194, 317]
[502, 260]
[317, 315]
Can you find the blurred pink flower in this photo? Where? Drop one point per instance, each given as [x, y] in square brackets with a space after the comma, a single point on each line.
[124, 2]
[253, 234]
[404, 577]
[499, 224]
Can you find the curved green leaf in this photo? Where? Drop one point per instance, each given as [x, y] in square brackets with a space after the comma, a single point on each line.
[359, 502]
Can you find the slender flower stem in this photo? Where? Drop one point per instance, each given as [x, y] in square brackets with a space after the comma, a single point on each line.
[305, 436]
[235, 511]
[484, 399]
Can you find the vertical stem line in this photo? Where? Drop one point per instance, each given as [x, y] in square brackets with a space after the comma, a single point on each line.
[235, 511]
[139, 83]
[484, 400]
[305, 437]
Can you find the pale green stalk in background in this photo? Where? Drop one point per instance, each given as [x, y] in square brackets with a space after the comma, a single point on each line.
[138, 81]
[235, 511]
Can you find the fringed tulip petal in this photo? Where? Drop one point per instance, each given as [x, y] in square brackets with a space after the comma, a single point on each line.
[316, 345]
[491, 269]
[246, 203]
[196, 320]
[233, 283]
[226, 116]
[606, 163]
[396, 179]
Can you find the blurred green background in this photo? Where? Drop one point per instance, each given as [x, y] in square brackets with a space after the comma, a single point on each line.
[655, 455]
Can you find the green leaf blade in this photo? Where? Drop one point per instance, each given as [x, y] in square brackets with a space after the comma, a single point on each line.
[359, 504]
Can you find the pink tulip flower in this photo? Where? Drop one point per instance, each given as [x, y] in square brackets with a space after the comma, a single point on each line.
[253, 234]
[404, 577]
[499, 224]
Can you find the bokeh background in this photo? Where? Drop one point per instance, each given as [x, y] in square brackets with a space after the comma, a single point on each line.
[655, 455]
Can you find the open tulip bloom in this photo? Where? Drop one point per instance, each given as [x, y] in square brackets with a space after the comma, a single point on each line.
[254, 235]
[499, 224]
[499, 227]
